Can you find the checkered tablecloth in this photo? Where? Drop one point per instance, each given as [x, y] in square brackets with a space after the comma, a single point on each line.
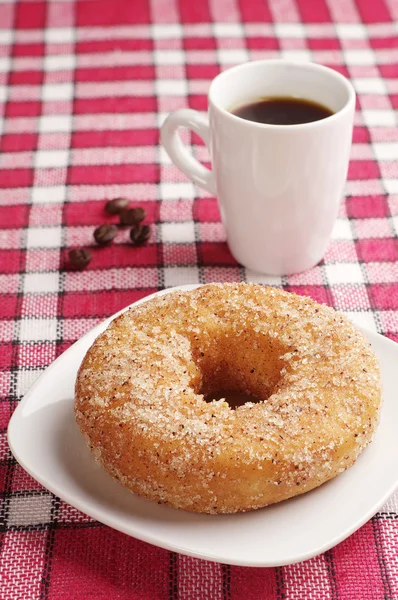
[84, 86]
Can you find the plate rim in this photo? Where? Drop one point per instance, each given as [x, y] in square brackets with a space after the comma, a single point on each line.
[101, 516]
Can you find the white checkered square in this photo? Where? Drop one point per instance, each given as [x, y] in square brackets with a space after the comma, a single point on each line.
[344, 273]
[39, 283]
[178, 232]
[290, 30]
[38, 330]
[297, 55]
[5, 64]
[169, 31]
[6, 36]
[171, 87]
[228, 56]
[57, 91]
[391, 186]
[55, 123]
[386, 150]
[180, 276]
[25, 380]
[52, 194]
[352, 31]
[169, 57]
[230, 30]
[59, 35]
[45, 159]
[254, 277]
[369, 85]
[374, 117]
[59, 62]
[173, 191]
[342, 230]
[43, 237]
[364, 56]
[362, 319]
[29, 510]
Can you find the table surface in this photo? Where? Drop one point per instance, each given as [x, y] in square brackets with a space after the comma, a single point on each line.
[84, 86]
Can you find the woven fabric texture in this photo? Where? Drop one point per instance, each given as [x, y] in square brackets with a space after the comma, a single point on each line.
[84, 86]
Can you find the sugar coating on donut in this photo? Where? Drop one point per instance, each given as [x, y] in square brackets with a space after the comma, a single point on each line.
[141, 396]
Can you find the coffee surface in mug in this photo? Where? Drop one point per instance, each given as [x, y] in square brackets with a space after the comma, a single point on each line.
[282, 110]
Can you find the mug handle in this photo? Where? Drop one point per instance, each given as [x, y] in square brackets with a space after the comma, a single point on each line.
[178, 152]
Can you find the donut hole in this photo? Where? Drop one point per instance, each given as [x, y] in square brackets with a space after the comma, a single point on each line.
[243, 368]
[232, 397]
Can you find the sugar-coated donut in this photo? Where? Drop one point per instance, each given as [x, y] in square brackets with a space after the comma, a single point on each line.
[140, 397]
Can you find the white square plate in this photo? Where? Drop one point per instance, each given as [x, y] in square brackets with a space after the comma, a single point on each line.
[45, 440]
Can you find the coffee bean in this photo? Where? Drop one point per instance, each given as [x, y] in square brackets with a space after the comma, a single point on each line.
[132, 216]
[79, 258]
[140, 234]
[116, 206]
[105, 233]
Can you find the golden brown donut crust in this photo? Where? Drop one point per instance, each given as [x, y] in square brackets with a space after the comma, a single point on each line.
[139, 397]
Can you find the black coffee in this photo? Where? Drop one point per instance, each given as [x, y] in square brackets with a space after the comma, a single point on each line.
[282, 111]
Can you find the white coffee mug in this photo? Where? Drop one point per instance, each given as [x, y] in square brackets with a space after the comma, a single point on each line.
[278, 186]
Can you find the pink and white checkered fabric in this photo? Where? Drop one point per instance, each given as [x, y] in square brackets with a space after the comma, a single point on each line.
[84, 86]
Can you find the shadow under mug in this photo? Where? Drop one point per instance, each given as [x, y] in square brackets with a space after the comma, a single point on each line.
[278, 186]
